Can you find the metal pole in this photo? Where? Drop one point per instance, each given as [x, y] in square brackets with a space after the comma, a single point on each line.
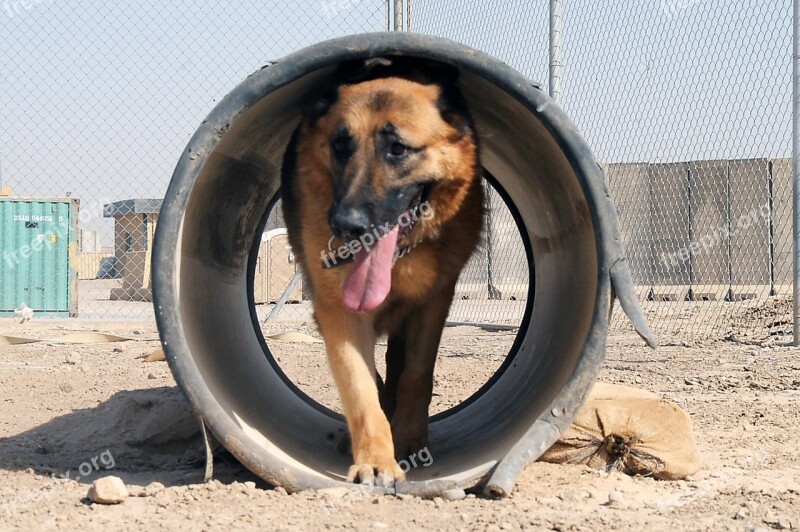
[796, 169]
[556, 33]
[408, 15]
[398, 15]
[284, 297]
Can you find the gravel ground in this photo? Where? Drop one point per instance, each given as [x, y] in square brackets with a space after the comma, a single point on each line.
[70, 414]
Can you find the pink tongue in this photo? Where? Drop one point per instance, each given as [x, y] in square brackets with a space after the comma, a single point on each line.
[370, 277]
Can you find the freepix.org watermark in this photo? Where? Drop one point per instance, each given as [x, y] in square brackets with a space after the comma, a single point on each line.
[332, 256]
[48, 239]
[358, 493]
[423, 455]
[105, 458]
[12, 8]
[86, 469]
[673, 7]
[334, 7]
[716, 237]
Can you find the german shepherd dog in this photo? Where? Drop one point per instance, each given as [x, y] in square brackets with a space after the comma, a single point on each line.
[383, 199]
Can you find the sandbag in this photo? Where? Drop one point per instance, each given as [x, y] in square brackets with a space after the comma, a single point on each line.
[629, 430]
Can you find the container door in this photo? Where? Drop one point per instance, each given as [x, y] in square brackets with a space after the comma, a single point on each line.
[35, 248]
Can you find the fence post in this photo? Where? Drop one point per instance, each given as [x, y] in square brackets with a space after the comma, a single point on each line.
[796, 170]
[398, 15]
[556, 27]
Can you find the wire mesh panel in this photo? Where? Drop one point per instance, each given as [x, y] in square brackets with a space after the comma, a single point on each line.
[700, 93]
[493, 287]
[688, 106]
[516, 32]
[98, 100]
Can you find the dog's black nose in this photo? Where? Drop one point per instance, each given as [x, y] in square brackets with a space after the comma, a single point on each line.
[349, 223]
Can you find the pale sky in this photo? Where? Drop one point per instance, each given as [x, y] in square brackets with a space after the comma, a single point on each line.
[99, 98]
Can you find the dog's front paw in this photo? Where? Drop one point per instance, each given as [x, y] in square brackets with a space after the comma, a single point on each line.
[409, 437]
[382, 473]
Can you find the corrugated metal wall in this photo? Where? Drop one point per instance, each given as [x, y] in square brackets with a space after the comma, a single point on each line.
[706, 230]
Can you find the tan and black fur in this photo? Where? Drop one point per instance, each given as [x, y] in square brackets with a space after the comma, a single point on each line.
[386, 136]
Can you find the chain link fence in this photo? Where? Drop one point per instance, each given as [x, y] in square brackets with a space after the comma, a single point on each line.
[687, 104]
[97, 102]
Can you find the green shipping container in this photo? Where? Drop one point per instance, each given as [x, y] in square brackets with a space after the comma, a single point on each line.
[38, 250]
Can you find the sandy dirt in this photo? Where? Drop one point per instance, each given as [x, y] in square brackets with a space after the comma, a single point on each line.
[70, 414]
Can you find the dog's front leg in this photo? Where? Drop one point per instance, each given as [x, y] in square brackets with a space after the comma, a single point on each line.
[414, 386]
[350, 344]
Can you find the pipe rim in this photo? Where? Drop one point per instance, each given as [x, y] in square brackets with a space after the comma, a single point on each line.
[247, 93]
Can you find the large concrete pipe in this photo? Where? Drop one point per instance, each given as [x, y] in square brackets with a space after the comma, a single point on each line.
[229, 175]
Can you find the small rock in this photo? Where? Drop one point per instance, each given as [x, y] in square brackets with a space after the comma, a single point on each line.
[438, 502]
[137, 331]
[784, 524]
[333, 493]
[250, 485]
[72, 358]
[118, 349]
[65, 387]
[743, 513]
[107, 490]
[30, 471]
[506, 526]
[455, 494]
[153, 488]
[280, 491]
[637, 380]
[151, 376]
[616, 497]
[380, 524]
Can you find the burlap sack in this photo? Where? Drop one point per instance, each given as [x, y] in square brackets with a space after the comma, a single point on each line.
[629, 430]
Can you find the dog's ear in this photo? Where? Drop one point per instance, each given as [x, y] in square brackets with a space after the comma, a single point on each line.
[453, 108]
[412, 68]
[347, 73]
[359, 70]
[323, 103]
[429, 72]
[452, 105]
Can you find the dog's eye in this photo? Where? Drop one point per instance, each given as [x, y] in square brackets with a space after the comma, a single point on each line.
[398, 149]
[341, 148]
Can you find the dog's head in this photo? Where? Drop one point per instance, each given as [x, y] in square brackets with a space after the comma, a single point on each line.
[394, 148]
[395, 137]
